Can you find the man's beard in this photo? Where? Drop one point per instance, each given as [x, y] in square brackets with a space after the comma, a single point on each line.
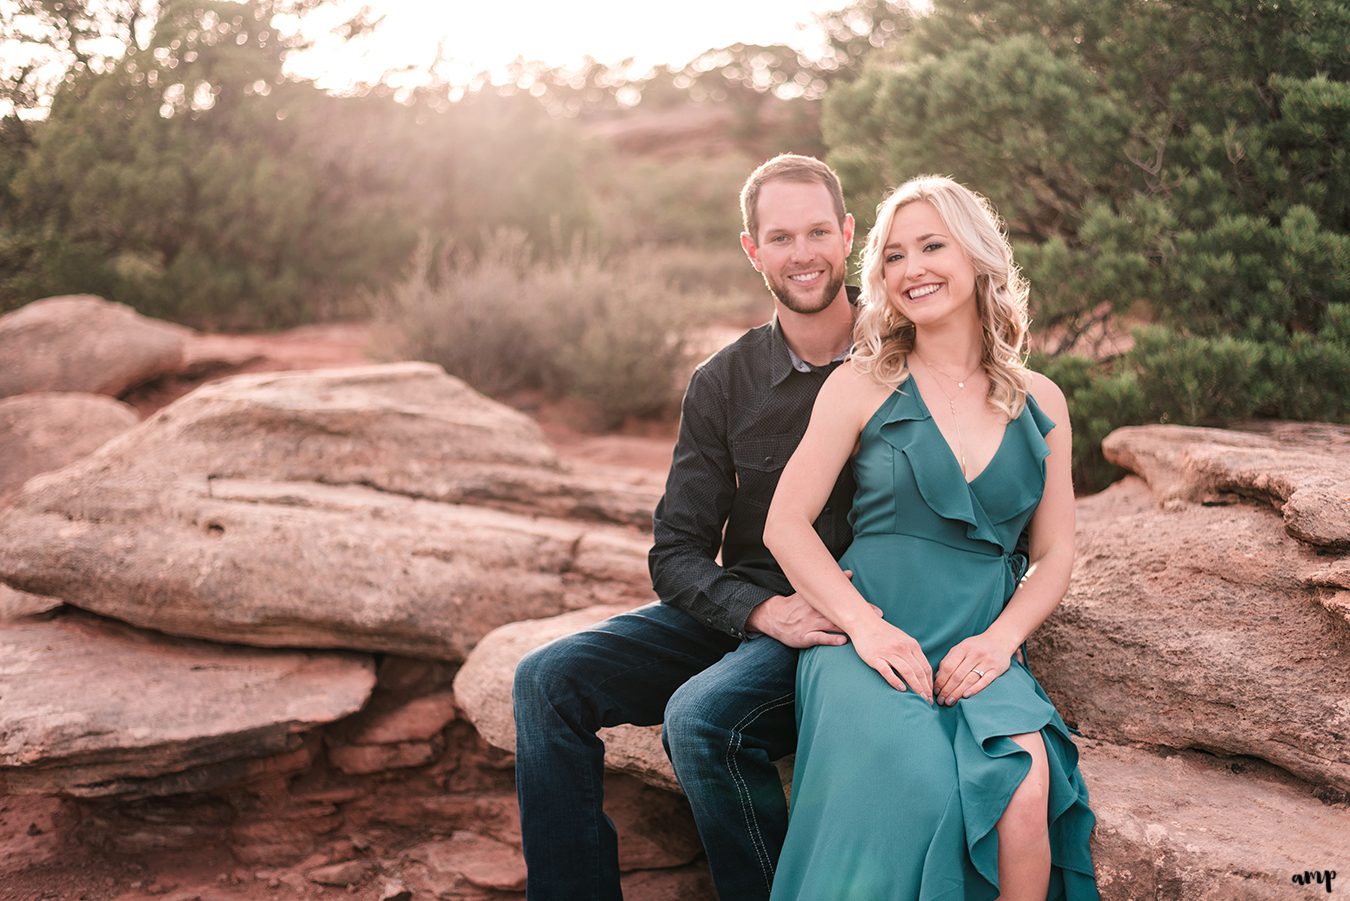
[812, 304]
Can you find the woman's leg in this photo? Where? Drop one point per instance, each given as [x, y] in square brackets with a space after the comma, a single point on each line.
[1023, 832]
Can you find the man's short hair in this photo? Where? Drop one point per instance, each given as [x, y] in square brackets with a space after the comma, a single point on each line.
[788, 167]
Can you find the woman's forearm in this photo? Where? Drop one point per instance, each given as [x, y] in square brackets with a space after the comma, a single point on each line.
[813, 572]
[1036, 597]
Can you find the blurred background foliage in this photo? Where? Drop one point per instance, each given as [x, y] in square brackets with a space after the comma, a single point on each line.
[1173, 173]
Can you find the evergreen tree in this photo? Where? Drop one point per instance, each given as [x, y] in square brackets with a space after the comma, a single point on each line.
[185, 179]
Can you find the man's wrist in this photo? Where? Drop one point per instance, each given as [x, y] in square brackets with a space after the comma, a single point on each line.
[755, 622]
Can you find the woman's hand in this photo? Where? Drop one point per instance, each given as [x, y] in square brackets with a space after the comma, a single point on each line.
[970, 666]
[896, 656]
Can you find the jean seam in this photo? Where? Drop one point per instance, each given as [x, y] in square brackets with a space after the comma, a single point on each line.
[743, 790]
[595, 833]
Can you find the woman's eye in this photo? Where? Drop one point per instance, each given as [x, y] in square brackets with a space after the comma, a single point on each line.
[893, 257]
[933, 245]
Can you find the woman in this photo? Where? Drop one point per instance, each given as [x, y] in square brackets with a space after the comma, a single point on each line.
[930, 764]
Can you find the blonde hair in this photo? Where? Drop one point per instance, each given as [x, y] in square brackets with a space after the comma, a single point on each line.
[883, 336]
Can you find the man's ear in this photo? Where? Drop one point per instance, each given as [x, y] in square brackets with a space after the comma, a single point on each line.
[751, 250]
[848, 232]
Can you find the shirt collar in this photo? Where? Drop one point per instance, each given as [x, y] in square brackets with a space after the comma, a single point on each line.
[784, 359]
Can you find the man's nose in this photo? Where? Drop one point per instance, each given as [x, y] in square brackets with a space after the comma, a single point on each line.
[801, 249]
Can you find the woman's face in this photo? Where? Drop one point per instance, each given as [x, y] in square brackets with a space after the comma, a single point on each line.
[928, 275]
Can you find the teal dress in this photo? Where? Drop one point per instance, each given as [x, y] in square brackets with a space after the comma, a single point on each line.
[895, 798]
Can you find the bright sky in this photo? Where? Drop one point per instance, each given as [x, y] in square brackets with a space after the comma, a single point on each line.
[481, 35]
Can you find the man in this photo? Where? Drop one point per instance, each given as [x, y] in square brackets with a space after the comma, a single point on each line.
[715, 661]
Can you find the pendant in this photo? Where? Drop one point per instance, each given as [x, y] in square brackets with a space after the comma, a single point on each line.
[960, 384]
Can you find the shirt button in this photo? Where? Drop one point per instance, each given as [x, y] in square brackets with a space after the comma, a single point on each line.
[768, 459]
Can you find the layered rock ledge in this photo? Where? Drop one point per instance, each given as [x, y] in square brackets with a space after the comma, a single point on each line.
[1297, 468]
[382, 508]
[94, 708]
[1202, 648]
[390, 509]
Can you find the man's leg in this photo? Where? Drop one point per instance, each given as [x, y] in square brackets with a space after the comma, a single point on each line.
[623, 670]
[723, 730]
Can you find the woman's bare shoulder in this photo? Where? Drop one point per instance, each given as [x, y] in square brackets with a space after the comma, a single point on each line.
[1048, 395]
[851, 394]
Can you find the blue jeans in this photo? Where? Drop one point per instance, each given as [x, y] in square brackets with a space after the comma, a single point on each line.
[727, 711]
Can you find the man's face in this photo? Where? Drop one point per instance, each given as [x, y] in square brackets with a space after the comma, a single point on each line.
[801, 249]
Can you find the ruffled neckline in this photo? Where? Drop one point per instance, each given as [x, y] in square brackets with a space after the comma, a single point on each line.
[988, 499]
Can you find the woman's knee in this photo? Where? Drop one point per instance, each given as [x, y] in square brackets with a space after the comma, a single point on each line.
[1027, 812]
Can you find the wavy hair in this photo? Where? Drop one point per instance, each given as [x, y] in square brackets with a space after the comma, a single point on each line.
[883, 336]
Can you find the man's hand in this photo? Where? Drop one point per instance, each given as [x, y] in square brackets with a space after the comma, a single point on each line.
[794, 622]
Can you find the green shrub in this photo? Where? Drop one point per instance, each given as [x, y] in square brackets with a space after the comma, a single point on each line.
[605, 329]
[1184, 379]
[1192, 380]
[1311, 375]
[472, 316]
[1100, 400]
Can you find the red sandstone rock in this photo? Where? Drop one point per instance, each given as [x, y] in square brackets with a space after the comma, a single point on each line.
[292, 510]
[1298, 468]
[18, 604]
[358, 760]
[688, 883]
[480, 861]
[341, 874]
[418, 719]
[95, 708]
[84, 343]
[1189, 827]
[1192, 626]
[45, 431]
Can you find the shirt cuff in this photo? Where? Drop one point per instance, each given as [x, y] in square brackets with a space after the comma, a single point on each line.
[741, 603]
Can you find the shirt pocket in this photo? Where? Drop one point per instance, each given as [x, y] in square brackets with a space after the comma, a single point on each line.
[759, 462]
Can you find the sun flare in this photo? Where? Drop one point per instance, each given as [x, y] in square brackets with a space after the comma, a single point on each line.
[459, 40]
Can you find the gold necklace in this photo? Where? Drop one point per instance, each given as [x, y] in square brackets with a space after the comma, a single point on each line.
[961, 382]
[956, 420]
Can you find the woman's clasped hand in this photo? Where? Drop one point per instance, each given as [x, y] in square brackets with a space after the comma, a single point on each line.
[970, 667]
[895, 655]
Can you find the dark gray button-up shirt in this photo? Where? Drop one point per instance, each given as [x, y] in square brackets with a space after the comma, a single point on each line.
[744, 413]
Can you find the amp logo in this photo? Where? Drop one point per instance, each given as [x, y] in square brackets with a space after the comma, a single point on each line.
[1315, 877]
